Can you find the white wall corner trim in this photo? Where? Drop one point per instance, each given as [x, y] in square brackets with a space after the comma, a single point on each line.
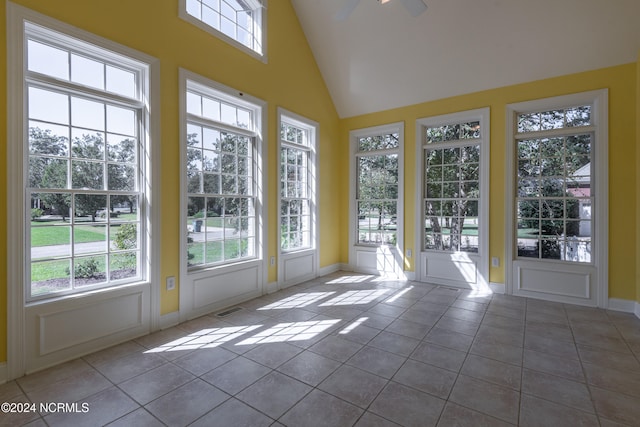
[323, 271]
[169, 320]
[3, 373]
[624, 305]
[272, 287]
[497, 288]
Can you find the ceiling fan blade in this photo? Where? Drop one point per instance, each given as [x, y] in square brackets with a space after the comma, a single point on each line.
[414, 7]
[346, 10]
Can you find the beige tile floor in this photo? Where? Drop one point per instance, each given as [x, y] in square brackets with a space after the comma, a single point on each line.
[347, 350]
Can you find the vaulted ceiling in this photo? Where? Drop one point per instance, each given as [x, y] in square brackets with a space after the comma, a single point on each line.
[381, 57]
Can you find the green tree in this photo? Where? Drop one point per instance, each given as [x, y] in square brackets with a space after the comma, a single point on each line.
[48, 169]
[378, 186]
[452, 186]
[121, 175]
[547, 180]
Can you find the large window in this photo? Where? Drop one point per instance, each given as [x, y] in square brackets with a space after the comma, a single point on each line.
[452, 187]
[297, 178]
[221, 168]
[377, 189]
[84, 145]
[240, 22]
[554, 188]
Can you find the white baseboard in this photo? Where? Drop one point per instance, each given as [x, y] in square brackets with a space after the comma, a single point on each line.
[272, 287]
[329, 269]
[410, 275]
[617, 304]
[3, 372]
[497, 288]
[169, 320]
[625, 305]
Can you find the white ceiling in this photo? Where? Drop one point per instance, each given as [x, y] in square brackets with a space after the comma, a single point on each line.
[381, 57]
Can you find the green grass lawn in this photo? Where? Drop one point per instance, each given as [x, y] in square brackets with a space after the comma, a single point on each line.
[60, 235]
[57, 233]
[49, 270]
[466, 231]
[214, 251]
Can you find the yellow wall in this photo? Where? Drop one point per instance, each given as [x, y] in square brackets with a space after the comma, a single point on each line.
[290, 80]
[621, 82]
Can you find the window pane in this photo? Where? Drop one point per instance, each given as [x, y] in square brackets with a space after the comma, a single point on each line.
[50, 238]
[48, 139]
[123, 266]
[121, 120]
[121, 149]
[48, 60]
[228, 114]
[244, 119]
[50, 276]
[194, 104]
[87, 114]
[451, 192]
[48, 106]
[48, 173]
[88, 239]
[210, 109]
[121, 82]
[124, 208]
[551, 207]
[88, 207]
[87, 71]
[211, 139]
[121, 177]
[193, 8]
[90, 270]
[87, 145]
[579, 116]
[76, 165]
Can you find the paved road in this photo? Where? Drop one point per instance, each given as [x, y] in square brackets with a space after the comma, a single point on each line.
[53, 251]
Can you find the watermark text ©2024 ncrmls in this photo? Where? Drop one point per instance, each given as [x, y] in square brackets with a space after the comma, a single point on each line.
[44, 407]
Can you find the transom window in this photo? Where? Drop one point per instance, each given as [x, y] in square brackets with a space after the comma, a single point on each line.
[221, 178]
[85, 119]
[377, 189]
[239, 21]
[554, 190]
[452, 187]
[295, 185]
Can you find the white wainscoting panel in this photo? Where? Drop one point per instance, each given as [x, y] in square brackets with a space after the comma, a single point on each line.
[68, 328]
[382, 260]
[61, 330]
[366, 260]
[449, 269]
[214, 290]
[298, 267]
[570, 284]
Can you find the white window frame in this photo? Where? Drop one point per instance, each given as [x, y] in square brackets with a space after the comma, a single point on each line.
[361, 256]
[17, 166]
[460, 260]
[598, 99]
[258, 6]
[189, 80]
[299, 264]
